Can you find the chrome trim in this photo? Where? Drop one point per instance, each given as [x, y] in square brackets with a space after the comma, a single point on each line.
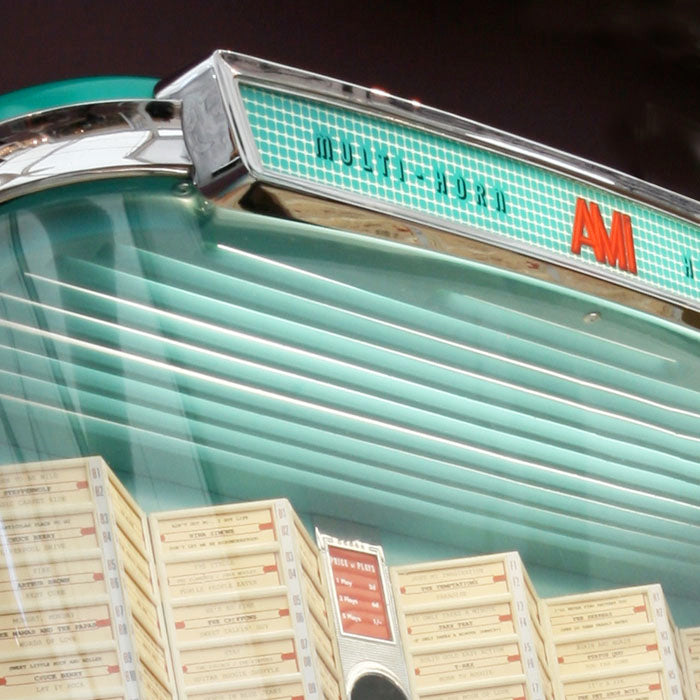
[208, 137]
[89, 141]
[388, 657]
[372, 668]
[226, 69]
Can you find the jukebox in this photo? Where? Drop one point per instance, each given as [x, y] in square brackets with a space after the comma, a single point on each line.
[308, 391]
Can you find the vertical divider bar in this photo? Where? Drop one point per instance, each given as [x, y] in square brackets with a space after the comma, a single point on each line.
[167, 610]
[157, 590]
[527, 642]
[292, 572]
[550, 650]
[114, 585]
[665, 634]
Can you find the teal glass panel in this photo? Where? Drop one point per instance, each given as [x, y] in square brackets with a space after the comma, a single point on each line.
[388, 163]
[210, 355]
[68, 92]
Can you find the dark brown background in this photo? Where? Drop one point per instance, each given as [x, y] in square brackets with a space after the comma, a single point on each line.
[615, 82]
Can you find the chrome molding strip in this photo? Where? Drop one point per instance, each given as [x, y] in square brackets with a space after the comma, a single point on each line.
[89, 141]
[223, 156]
[223, 67]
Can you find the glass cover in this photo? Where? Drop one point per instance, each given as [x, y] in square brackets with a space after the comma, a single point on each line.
[441, 407]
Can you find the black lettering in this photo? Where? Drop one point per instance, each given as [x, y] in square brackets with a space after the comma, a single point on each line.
[440, 182]
[384, 164]
[480, 195]
[324, 148]
[461, 187]
[688, 269]
[402, 175]
[346, 153]
[366, 162]
[500, 202]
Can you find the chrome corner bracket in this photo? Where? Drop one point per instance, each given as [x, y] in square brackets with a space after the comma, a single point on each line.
[210, 127]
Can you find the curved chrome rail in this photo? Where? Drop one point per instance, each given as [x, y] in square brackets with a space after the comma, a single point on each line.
[89, 141]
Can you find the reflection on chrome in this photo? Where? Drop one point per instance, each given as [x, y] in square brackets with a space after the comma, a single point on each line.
[65, 145]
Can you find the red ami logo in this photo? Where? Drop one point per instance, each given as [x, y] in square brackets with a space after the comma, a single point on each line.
[615, 248]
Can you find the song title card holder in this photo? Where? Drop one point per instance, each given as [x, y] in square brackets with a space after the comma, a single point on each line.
[471, 629]
[245, 603]
[611, 643]
[79, 604]
[689, 640]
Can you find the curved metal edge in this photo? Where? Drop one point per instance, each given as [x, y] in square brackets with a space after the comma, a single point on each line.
[227, 160]
[97, 140]
[448, 124]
